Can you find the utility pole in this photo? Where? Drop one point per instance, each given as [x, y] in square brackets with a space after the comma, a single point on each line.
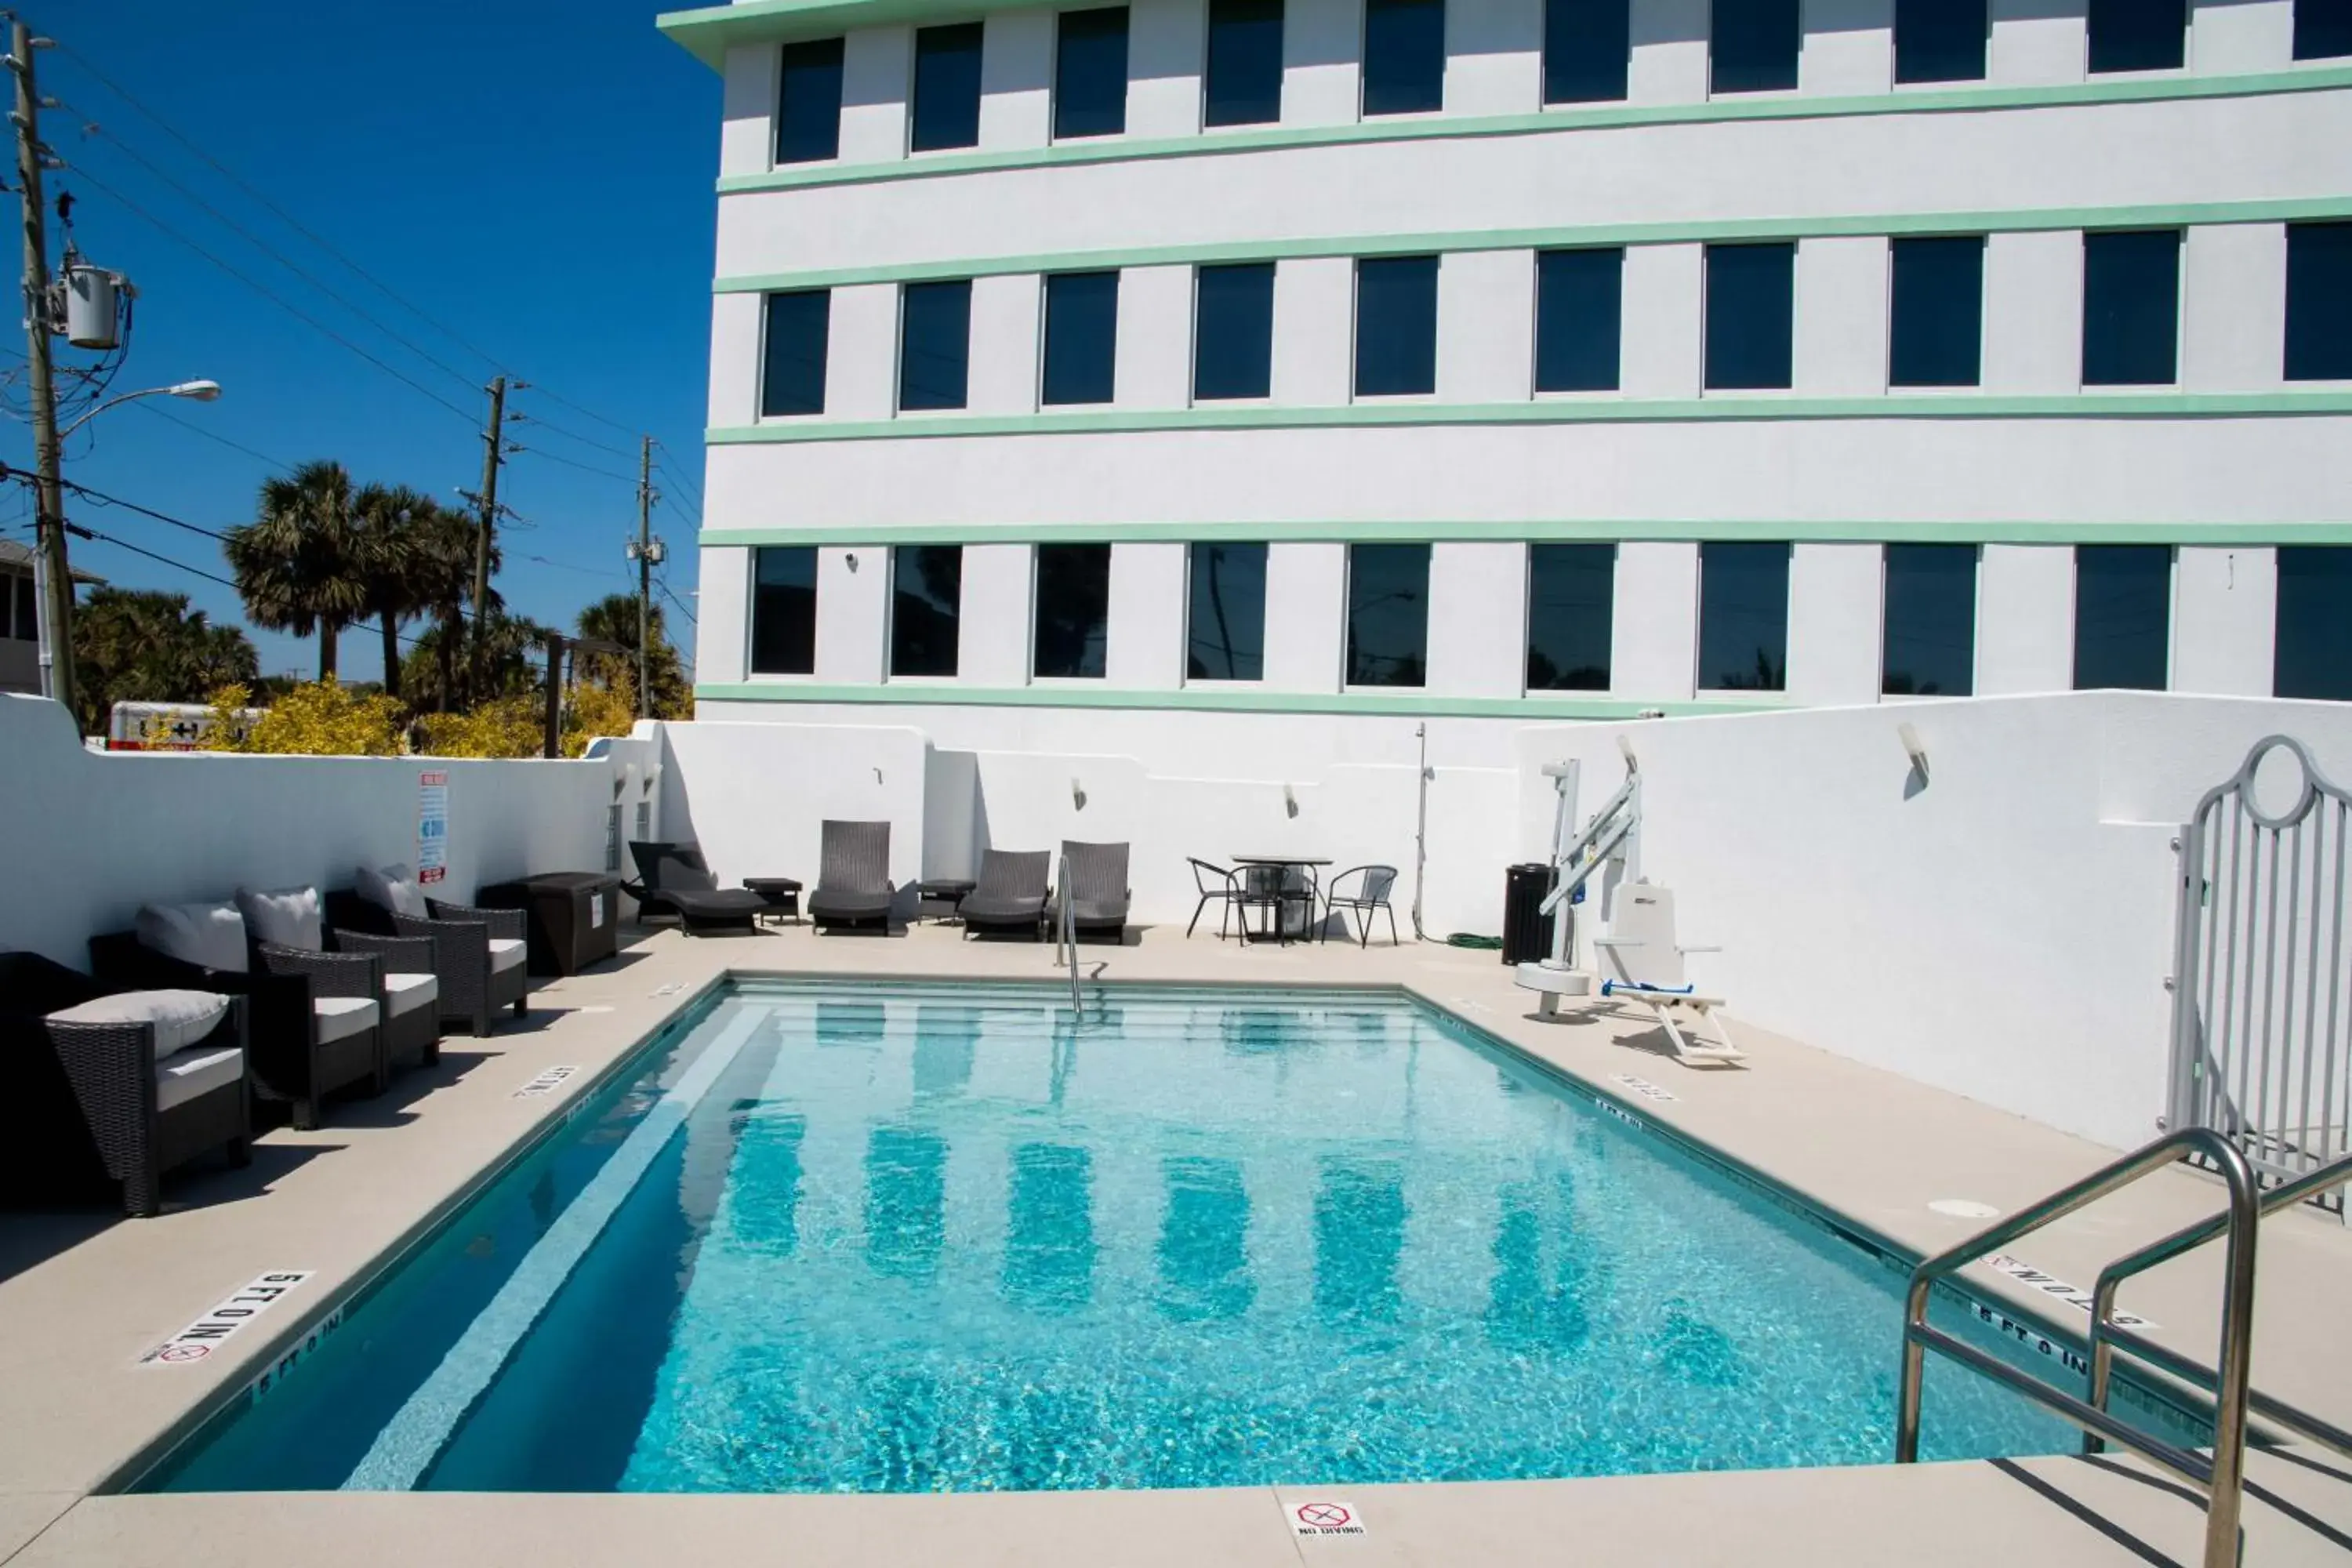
[49, 517]
[644, 576]
[493, 454]
[646, 551]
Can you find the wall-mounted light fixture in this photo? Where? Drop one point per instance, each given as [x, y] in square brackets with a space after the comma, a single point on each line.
[1912, 749]
[853, 560]
[652, 777]
[1289, 801]
[1078, 795]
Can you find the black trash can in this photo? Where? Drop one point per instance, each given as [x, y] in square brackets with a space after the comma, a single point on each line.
[1527, 930]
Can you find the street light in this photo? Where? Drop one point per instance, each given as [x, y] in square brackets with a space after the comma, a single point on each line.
[54, 578]
[200, 391]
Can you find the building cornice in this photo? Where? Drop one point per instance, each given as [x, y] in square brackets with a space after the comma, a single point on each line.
[2245, 535]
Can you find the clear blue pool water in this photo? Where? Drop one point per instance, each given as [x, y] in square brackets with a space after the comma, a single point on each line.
[890, 1238]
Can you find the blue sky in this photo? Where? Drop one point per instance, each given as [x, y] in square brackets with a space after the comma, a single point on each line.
[533, 175]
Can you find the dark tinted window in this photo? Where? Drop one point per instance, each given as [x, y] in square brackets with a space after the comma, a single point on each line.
[1931, 648]
[934, 344]
[1233, 330]
[1753, 46]
[1937, 327]
[1940, 40]
[1073, 610]
[1587, 48]
[1388, 615]
[2318, 301]
[28, 615]
[808, 102]
[1226, 638]
[1579, 302]
[926, 608]
[2323, 29]
[2122, 616]
[2139, 34]
[783, 610]
[1750, 293]
[1396, 325]
[1090, 73]
[1404, 55]
[947, 87]
[1245, 74]
[1571, 593]
[1743, 618]
[2313, 650]
[1081, 336]
[791, 374]
[2131, 308]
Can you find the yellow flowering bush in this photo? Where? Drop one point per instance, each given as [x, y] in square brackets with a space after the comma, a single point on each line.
[318, 719]
[506, 727]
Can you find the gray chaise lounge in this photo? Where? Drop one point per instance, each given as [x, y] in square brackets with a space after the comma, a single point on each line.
[1011, 893]
[852, 885]
[674, 879]
[1098, 889]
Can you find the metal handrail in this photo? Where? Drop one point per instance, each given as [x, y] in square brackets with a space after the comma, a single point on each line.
[2107, 1334]
[1065, 934]
[2222, 1475]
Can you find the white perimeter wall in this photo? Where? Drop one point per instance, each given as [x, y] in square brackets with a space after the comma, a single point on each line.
[92, 835]
[2004, 933]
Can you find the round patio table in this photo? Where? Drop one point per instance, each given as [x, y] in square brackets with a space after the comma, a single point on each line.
[1278, 926]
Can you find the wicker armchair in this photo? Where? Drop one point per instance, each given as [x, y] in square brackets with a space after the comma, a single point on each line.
[298, 1053]
[475, 977]
[90, 1101]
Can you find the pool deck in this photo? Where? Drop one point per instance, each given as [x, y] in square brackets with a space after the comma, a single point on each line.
[84, 1295]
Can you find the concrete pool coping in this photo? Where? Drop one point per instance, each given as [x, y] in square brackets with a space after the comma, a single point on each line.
[83, 1299]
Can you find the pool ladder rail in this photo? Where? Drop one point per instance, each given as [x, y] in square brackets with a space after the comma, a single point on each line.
[1066, 936]
[2220, 1476]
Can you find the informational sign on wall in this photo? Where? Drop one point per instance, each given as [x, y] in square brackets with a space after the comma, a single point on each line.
[432, 827]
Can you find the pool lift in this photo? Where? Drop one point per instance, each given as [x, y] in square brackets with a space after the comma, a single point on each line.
[1609, 847]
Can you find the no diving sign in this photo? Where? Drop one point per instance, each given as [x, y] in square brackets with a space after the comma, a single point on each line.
[1325, 1517]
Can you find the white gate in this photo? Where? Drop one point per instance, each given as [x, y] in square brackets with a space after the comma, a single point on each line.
[2261, 1004]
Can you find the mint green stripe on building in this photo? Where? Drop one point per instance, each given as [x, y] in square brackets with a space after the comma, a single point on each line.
[1584, 117]
[1204, 699]
[2241, 535]
[2175, 214]
[1565, 411]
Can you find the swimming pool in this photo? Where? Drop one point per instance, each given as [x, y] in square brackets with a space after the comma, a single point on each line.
[911, 1237]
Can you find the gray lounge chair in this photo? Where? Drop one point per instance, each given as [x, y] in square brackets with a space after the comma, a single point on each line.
[675, 881]
[852, 885]
[1011, 893]
[1097, 890]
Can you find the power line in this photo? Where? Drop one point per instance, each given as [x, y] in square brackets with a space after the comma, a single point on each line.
[271, 295]
[674, 599]
[545, 424]
[574, 463]
[321, 241]
[279, 257]
[82, 532]
[194, 430]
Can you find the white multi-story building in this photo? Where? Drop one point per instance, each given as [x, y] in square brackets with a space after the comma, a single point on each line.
[1231, 387]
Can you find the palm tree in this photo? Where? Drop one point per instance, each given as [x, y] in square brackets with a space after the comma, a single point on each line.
[443, 654]
[133, 645]
[392, 524]
[614, 618]
[299, 565]
[443, 581]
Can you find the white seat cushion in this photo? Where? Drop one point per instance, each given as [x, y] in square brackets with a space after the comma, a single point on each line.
[290, 917]
[211, 936]
[506, 952]
[187, 1074]
[392, 888]
[406, 992]
[181, 1017]
[340, 1015]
